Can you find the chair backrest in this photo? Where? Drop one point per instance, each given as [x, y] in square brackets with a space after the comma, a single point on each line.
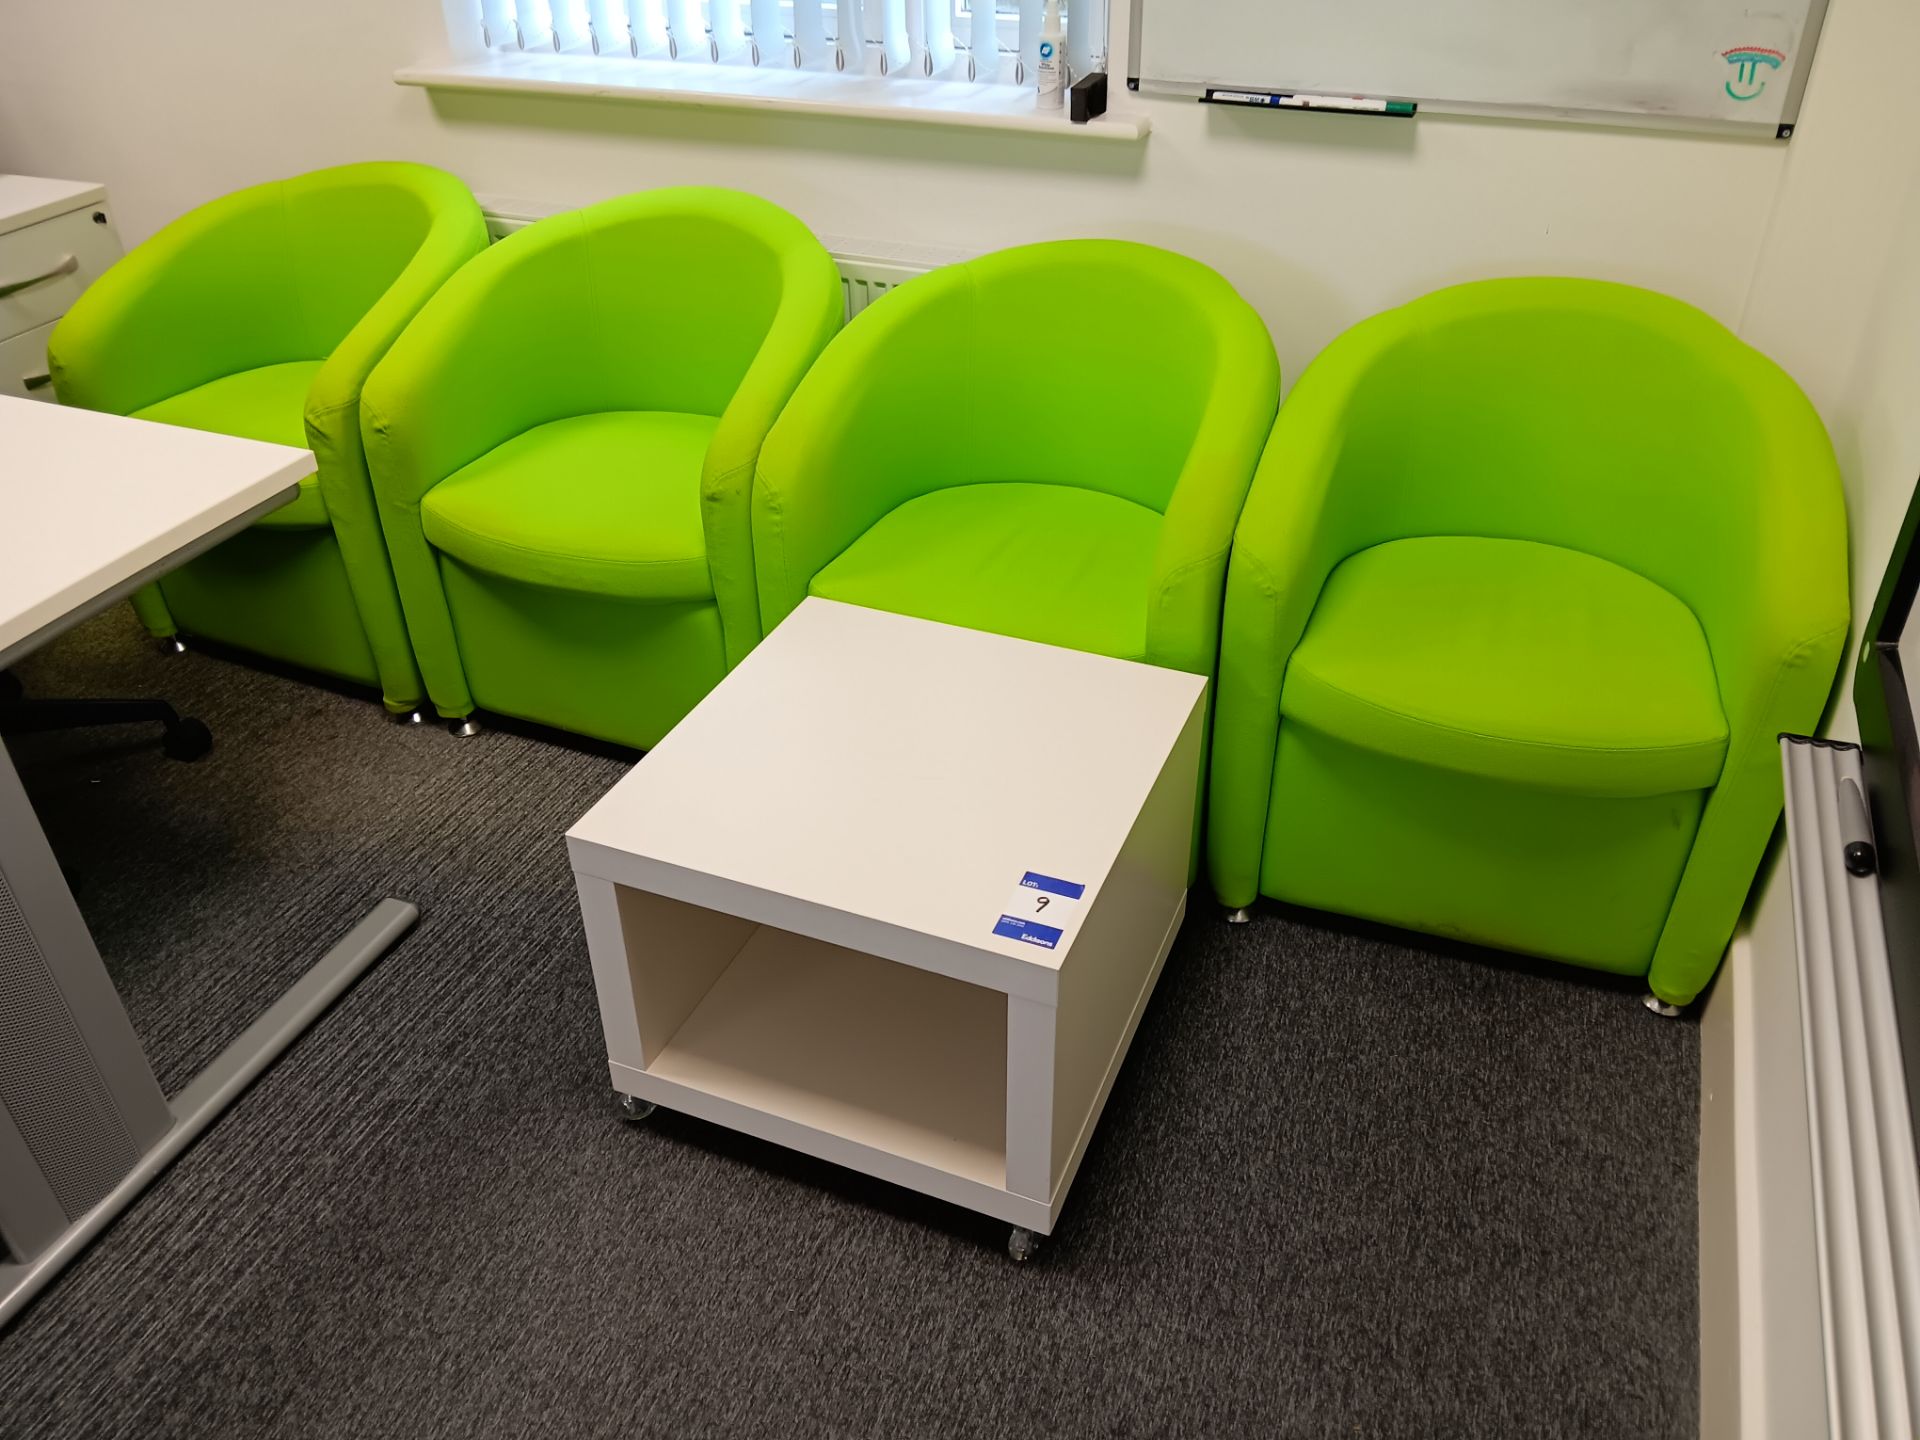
[1594, 416]
[273, 273]
[1076, 362]
[346, 234]
[653, 301]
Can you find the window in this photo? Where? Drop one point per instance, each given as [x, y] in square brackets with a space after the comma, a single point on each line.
[994, 42]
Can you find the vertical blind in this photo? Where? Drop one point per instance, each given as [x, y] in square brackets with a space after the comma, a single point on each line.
[982, 41]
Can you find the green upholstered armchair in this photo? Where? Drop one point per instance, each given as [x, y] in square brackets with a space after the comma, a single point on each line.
[562, 445]
[261, 315]
[1532, 574]
[1050, 442]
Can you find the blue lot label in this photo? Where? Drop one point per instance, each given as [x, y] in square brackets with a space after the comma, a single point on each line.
[1041, 910]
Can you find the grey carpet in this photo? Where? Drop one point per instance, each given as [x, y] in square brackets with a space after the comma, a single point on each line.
[1348, 1184]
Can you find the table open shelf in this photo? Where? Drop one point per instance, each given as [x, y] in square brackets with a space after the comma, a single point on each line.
[854, 1046]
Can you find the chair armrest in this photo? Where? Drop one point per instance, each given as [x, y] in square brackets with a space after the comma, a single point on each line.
[484, 360]
[811, 307]
[457, 233]
[1777, 629]
[1765, 615]
[859, 438]
[1290, 537]
[204, 297]
[491, 356]
[1196, 536]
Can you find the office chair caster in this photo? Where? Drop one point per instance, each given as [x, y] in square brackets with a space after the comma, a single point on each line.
[186, 739]
[1022, 1245]
[634, 1110]
[1660, 1007]
[407, 717]
[465, 727]
[170, 645]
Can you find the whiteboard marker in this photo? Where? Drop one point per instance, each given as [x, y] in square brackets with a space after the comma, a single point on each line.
[1333, 104]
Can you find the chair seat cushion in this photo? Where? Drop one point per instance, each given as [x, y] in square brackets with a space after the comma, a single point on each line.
[1512, 661]
[265, 404]
[1051, 563]
[605, 504]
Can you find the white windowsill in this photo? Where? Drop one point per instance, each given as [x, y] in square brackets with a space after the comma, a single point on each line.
[869, 97]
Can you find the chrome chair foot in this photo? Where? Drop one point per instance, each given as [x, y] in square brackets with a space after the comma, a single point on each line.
[170, 645]
[464, 727]
[407, 717]
[1240, 916]
[1660, 1007]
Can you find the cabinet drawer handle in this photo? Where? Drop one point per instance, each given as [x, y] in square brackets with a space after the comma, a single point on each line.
[68, 264]
[37, 382]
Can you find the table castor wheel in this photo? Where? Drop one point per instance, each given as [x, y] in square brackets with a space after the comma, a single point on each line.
[1022, 1245]
[634, 1109]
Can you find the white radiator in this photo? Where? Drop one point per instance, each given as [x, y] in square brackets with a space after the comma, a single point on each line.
[867, 271]
[1866, 1189]
[865, 280]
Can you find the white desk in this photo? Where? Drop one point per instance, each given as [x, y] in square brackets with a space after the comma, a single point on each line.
[806, 910]
[91, 508]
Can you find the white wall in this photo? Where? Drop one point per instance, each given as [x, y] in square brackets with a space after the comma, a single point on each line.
[1836, 292]
[1320, 220]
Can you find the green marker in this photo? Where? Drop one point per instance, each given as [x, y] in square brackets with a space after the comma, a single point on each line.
[1335, 104]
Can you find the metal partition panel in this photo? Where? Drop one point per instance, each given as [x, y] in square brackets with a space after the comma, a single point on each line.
[1866, 1185]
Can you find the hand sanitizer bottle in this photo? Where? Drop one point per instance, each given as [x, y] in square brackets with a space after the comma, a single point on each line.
[1053, 60]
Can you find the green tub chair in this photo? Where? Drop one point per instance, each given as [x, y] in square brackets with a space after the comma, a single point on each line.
[1532, 575]
[562, 446]
[261, 315]
[1051, 442]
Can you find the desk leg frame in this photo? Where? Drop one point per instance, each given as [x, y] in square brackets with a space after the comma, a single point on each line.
[75, 1025]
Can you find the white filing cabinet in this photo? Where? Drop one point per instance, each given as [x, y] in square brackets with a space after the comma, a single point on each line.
[56, 236]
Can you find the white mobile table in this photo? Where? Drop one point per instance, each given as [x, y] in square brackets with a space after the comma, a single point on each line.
[92, 507]
[896, 894]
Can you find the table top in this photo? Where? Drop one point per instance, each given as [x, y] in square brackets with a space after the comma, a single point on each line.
[91, 502]
[28, 199]
[908, 772]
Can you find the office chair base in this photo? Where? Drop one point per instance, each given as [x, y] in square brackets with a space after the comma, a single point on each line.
[170, 645]
[1660, 1007]
[1240, 916]
[1022, 1245]
[634, 1109]
[408, 717]
[185, 737]
[187, 740]
[465, 727]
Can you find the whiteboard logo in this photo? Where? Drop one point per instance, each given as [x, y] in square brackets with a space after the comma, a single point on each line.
[1751, 65]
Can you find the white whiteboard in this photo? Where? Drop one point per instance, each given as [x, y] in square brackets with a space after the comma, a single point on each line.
[1721, 64]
